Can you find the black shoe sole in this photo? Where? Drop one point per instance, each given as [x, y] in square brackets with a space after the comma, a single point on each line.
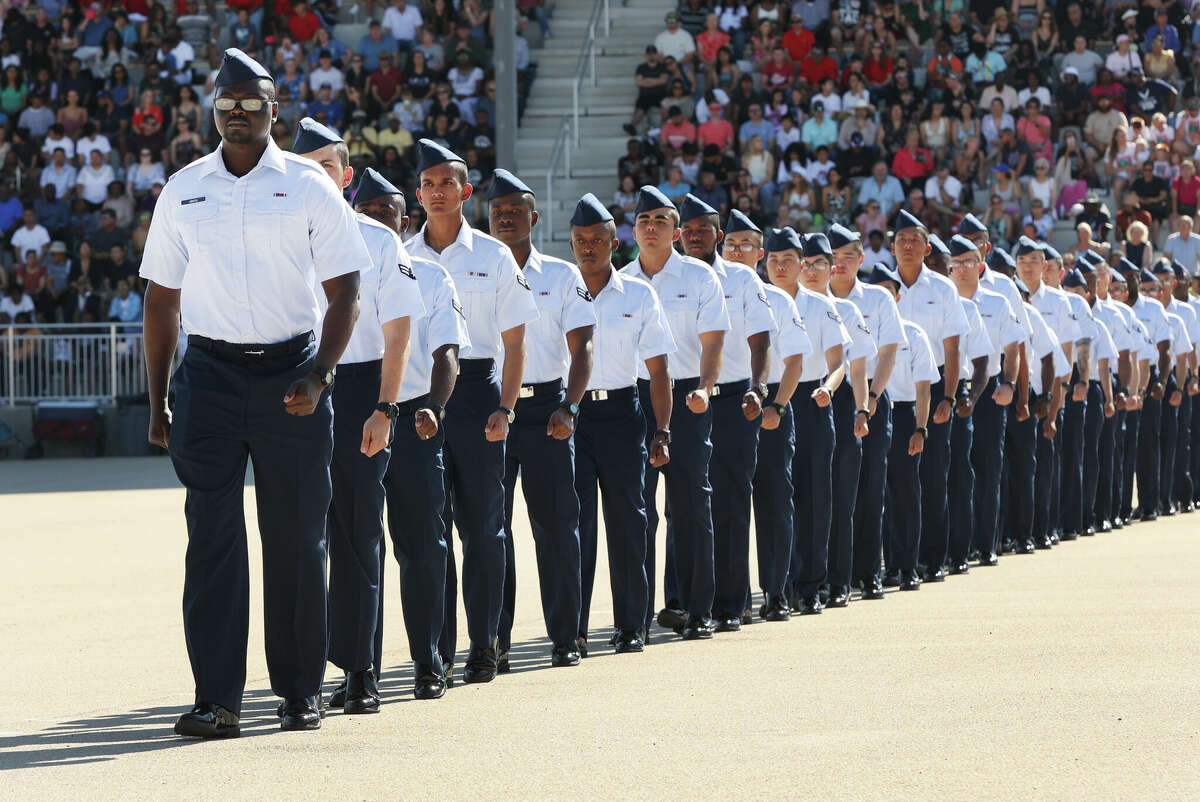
[472, 678]
[190, 729]
[299, 724]
[357, 708]
[696, 634]
[427, 695]
[668, 619]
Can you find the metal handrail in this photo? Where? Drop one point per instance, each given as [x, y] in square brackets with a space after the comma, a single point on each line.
[561, 152]
[587, 60]
[77, 361]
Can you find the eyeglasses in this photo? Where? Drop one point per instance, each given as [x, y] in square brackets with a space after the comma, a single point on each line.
[250, 104]
[740, 247]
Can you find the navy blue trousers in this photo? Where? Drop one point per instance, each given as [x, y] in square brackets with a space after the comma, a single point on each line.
[1093, 425]
[987, 460]
[416, 497]
[872, 487]
[847, 471]
[961, 489]
[1109, 466]
[1168, 434]
[1044, 484]
[1069, 454]
[935, 474]
[773, 508]
[731, 471]
[1020, 450]
[610, 452]
[547, 469]
[1183, 452]
[812, 491]
[1195, 461]
[354, 524]
[1132, 453]
[1148, 465]
[904, 491]
[228, 411]
[689, 504]
[475, 503]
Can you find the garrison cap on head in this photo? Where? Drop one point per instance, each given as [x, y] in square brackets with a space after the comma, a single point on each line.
[1180, 272]
[880, 272]
[971, 225]
[651, 198]
[938, 246]
[960, 245]
[237, 67]
[1124, 264]
[692, 207]
[1084, 266]
[998, 259]
[840, 236]
[1146, 277]
[505, 183]
[372, 185]
[782, 239]
[1086, 257]
[590, 211]
[740, 222]
[311, 135]
[431, 154]
[1027, 246]
[905, 220]
[1074, 279]
[816, 245]
[1115, 277]
[1162, 268]
[1051, 252]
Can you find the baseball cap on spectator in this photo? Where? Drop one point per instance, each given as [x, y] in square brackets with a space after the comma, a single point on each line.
[1002, 167]
[58, 247]
[651, 49]
[1091, 197]
[671, 17]
[1131, 13]
[1123, 38]
[818, 105]
[1161, 11]
[1070, 71]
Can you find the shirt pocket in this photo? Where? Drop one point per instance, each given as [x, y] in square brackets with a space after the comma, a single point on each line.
[681, 310]
[279, 222]
[197, 223]
[617, 335]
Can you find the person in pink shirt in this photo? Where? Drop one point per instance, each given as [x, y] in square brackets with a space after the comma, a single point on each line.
[1034, 130]
[712, 39]
[676, 131]
[716, 130]
[780, 70]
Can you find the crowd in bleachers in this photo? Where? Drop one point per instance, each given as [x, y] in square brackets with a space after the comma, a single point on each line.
[101, 102]
[1031, 114]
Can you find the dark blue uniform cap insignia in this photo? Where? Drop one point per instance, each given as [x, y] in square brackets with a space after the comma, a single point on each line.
[590, 211]
[372, 185]
[312, 135]
[431, 154]
[505, 183]
[237, 67]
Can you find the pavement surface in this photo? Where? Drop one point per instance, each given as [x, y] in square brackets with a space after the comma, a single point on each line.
[1069, 673]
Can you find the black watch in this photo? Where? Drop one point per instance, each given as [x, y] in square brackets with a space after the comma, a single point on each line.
[761, 391]
[508, 413]
[874, 396]
[778, 407]
[1067, 385]
[951, 399]
[1007, 383]
[324, 375]
[665, 435]
[389, 408]
[921, 430]
[571, 409]
[866, 412]
[438, 411]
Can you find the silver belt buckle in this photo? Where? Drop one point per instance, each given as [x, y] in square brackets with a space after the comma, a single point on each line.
[716, 391]
[255, 353]
[526, 392]
[598, 395]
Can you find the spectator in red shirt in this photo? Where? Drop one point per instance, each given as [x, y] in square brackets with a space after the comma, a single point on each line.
[945, 69]
[712, 40]
[817, 66]
[676, 131]
[878, 67]
[780, 70]
[1105, 85]
[913, 162]
[303, 23]
[1184, 190]
[716, 130]
[798, 40]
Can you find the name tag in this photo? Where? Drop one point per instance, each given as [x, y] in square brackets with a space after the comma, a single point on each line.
[190, 201]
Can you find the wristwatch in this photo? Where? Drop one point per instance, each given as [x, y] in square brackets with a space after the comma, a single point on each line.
[1007, 383]
[439, 412]
[921, 430]
[778, 407]
[665, 435]
[761, 391]
[866, 412]
[324, 375]
[1067, 385]
[389, 408]
[571, 409]
[951, 399]
[508, 413]
[874, 396]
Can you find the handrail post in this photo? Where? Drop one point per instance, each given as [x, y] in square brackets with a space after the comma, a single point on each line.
[575, 112]
[11, 352]
[112, 361]
[607, 20]
[591, 46]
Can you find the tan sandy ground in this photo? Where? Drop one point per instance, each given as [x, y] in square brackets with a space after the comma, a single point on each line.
[1069, 673]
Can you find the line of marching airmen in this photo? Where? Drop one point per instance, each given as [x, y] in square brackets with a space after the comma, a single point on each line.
[881, 427]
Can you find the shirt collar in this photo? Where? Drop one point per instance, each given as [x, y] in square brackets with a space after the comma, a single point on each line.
[465, 238]
[534, 261]
[615, 281]
[272, 157]
[673, 266]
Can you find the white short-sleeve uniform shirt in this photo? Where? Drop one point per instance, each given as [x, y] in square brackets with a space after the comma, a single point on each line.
[564, 304]
[914, 363]
[441, 323]
[790, 337]
[881, 316]
[631, 327]
[1001, 323]
[749, 314]
[932, 303]
[825, 329]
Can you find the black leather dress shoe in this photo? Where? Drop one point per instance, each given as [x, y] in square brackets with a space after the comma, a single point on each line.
[429, 684]
[448, 672]
[629, 642]
[1043, 542]
[794, 603]
[776, 609]
[1089, 531]
[697, 628]
[1167, 510]
[872, 589]
[1118, 523]
[1188, 507]
[1025, 547]
[811, 605]
[502, 664]
[362, 693]
[892, 579]
[338, 697]
[1147, 517]
[1067, 535]
[672, 618]
[564, 655]
[581, 645]
[823, 594]
[839, 596]
[1008, 546]
[934, 575]
[959, 568]
[303, 713]
[727, 623]
[481, 664]
[1054, 539]
[208, 720]
[1106, 526]
[910, 580]
[989, 559]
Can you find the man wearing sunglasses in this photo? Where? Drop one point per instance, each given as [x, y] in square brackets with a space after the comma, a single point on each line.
[240, 240]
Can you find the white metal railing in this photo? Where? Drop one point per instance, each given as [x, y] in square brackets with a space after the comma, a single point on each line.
[74, 361]
[569, 130]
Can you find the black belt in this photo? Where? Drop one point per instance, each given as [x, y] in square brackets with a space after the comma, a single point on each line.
[806, 387]
[475, 367]
[250, 352]
[553, 387]
[644, 384]
[624, 394]
[411, 406]
[374, 367]
[903, 404]
[737, 388]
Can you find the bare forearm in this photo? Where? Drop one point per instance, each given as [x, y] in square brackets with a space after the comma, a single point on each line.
[883, 368]
[952, 365]
[660, 392]
[443, 375]
[922, 406]
[710, 359]
[1124, 370]
[1105, 380]
[979, 378]
[1083, 358]
[395, 357]
[512, 372]
[342, 294]
[580, 343]
[760, 364]
[160, 336]
[858, 382]
[793, 368]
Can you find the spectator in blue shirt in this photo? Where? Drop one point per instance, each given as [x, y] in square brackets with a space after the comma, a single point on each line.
[333, 109]
[1164, 29]
[883, 188]
[712, 193]
[375, 42]
[52, 212]
[756, 126]
[10, 209]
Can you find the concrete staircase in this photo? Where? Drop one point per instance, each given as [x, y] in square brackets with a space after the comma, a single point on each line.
[604, 108]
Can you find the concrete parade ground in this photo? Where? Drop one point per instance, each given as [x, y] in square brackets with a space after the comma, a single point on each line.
[1073, 673]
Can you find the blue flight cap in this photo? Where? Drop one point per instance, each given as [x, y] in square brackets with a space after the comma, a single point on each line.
[999, 260]
[740, 222]
[692, 207]
[960, 245]
[1051, 252]
[816, 245]
[1084, 266]
[1115, 277]
[371, 186]
[312, 135]
[1021, 285]
[590, 211]
[880, 272]
[1180, 272]
[649, 199]
[1074, 279]
[1124, 264]
[938, 246]
[1026, 246]
[1162, 268]
[905, 220]
[505, 183]
[237, 67]
[782, 239]
[1146, 277]
[971, 225]
[431, 154]
[840, 236]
